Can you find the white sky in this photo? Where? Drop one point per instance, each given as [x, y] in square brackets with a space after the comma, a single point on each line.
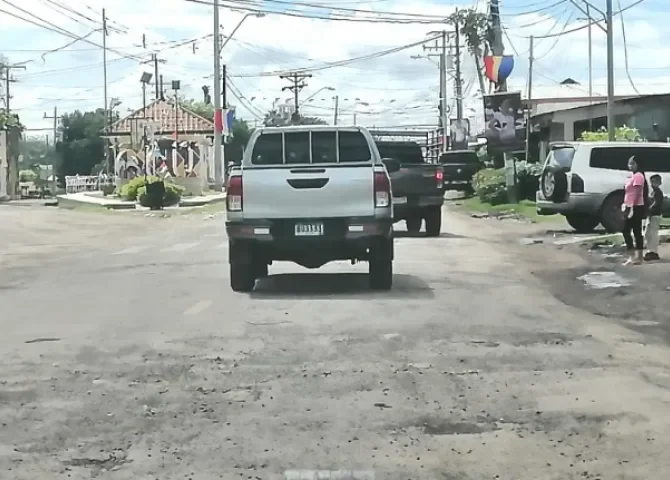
[397, 89]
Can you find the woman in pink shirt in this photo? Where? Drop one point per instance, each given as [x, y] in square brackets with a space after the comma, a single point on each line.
[635, 192]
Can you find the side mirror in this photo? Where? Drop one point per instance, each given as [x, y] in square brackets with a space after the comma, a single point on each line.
[392, 164]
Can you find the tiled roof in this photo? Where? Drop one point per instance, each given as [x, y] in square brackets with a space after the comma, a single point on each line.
[163, 114]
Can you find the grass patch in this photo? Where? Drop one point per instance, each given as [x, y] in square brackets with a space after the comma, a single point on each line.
[524, 208]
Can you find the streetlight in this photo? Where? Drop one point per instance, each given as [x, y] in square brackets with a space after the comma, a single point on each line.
[425, 57]
[218, 114]
[257, 15]
[145, 79]
[330, 89]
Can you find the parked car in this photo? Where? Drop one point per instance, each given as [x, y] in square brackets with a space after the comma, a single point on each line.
[309, 195]
[418, 191]
[459, 168]
[584, 181]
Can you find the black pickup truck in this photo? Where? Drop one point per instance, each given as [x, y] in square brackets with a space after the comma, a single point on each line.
[417, 186]
[459, 168]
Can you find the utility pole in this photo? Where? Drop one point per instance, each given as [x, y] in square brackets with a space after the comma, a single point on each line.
[104, 74]
[55, 118]
[8, 80]
[497, 46]
[610, 72]
[444, 109]
[588, 19]
[218, 114]
[155, 61]
[529, 96]
[337, 109]
[459, 80]
[297, 84]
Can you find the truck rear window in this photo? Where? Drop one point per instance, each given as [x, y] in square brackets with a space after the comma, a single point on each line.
[310, 147]
[561, 156]
[405, 152]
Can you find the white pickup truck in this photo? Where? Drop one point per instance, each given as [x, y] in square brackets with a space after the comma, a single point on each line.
[309, 195]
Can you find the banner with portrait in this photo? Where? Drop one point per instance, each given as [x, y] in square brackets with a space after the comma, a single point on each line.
[459, 132]
[505, 122]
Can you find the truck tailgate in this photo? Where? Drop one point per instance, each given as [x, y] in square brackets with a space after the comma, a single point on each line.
[459, 171]
[309, 191]
[417, 179]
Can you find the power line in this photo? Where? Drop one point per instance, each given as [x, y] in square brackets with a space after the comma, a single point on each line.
[588, 23]
[625, 50]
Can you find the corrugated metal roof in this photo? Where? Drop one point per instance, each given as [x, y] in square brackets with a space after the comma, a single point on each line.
[166, 118]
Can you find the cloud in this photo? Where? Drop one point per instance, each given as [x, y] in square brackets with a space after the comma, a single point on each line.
[391, 90]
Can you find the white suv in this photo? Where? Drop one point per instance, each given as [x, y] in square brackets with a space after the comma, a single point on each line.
[584, 181]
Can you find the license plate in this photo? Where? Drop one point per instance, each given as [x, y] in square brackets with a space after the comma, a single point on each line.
[308, 229]
[399, 200]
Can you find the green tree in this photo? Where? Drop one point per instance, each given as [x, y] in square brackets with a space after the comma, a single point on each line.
[35, 151]
[205, 110]
[474, 27]
[82, 148]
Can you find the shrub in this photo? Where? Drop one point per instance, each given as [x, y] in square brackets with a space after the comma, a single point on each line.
[491, 188]
[489, 185]
[129, 190]
[173, 194]
[528, 179]
[136, 191]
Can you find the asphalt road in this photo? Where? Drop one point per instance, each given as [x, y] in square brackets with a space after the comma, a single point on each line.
[125, 355]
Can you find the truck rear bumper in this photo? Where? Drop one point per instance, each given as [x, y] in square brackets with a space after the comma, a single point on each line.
[414, 206]
[283, 231]
[340, 239]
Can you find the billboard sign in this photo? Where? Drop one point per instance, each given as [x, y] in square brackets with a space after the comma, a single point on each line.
[505, 122]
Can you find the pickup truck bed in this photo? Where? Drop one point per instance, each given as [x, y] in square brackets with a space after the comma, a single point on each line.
[417, 186]
[459, 168]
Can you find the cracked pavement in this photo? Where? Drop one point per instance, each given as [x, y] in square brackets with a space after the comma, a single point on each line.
[125, 355]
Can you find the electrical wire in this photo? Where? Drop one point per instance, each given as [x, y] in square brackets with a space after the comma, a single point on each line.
[625, 50]
[588, 23]
[57, 29]
[340, 63]
[553, 45]
[330, 15]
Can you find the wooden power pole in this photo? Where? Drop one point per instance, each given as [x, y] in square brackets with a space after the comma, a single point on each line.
[297, 80]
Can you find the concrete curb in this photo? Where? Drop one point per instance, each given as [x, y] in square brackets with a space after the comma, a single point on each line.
[74, 200]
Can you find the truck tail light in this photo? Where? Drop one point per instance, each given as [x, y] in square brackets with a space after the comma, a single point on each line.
[234, 194]
[439, 177]
[382, 190]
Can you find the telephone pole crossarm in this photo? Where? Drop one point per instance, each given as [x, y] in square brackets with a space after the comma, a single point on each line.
[297, 80]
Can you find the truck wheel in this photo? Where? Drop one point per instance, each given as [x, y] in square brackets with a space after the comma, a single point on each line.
[381, 265]
[433, 222]
[582, 222]
[261, 270]
[242, 274]
[413, 224]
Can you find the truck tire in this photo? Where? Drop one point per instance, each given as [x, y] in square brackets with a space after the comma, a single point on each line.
[380, 265]
[582, 222]
[413, 224]
[261, 270]
[242, 274]
[611, 216]
[433, 220]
